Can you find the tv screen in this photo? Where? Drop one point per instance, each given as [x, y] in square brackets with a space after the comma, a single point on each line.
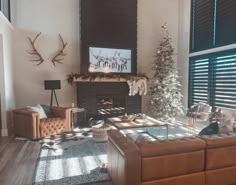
[109, 60]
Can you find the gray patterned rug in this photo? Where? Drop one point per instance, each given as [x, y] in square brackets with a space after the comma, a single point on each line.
[76, 164]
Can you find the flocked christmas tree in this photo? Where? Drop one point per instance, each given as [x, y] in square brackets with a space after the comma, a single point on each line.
[165, 91]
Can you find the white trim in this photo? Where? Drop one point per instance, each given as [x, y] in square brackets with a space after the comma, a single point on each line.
[4, 132]
[6, 20]
[223, 48]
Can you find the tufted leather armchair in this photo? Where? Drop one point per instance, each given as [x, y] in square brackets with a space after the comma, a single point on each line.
[27, 123]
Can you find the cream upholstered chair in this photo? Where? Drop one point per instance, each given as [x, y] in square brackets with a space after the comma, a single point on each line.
[28, 124]
[200, 111]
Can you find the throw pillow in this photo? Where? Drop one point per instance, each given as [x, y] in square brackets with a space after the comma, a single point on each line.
[229, 122]
[39, 109]
[216, 116]
[223, 129]
[46, 108]
[213, 128]
[226, 127]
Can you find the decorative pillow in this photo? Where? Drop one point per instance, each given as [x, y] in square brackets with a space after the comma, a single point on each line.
[234, 127]
[229, 122]
[223, 129]
[216, 116]
[213, 128]
[46, 109]
[39, 109]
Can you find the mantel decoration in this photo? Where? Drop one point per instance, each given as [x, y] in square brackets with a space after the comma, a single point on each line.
[137, 83]
[40, 59]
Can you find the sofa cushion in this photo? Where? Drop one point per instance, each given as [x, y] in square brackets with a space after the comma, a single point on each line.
[166, 166]
[220, 157]
[220, 140]
[165, 147]
[221, 176]
[190, 179]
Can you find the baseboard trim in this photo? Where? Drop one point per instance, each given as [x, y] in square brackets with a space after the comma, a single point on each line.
[4, 132]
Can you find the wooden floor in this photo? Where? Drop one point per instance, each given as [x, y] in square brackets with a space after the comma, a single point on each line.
[18, 160]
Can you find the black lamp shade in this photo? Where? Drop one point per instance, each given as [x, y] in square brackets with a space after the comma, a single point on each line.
[52, 84]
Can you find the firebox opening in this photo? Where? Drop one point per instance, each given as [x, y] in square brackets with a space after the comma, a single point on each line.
[110, 105]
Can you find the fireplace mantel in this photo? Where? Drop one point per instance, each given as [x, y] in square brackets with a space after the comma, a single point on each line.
[99, 79]
[109, 79]
[137, 84]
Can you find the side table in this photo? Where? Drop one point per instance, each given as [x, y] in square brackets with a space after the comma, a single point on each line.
[74, 112]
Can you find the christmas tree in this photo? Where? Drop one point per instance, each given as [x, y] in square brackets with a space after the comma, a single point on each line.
[165, 91]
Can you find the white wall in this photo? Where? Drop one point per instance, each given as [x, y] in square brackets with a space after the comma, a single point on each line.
[152, 14]
[6, 74]
[50, 17]
[183, 46]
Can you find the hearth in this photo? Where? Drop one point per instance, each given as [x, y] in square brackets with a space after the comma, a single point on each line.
[106, 99]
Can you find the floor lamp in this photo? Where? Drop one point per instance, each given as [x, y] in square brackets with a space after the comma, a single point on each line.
[52, 85]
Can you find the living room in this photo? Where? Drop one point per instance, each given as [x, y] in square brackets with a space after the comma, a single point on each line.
[54, 40]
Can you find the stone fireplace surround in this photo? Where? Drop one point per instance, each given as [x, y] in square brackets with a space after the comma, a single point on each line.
[88, 92]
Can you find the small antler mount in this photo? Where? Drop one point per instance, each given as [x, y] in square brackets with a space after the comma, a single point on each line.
[38, 57]
[60, 55]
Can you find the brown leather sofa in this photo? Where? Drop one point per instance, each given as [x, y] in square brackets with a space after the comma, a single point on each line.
[209, 160]
[26, 123]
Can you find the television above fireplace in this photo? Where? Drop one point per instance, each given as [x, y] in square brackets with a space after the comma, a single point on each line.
[110, 60]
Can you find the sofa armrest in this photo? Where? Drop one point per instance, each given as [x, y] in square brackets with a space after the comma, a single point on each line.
[25, 112]
[26, 123]
[124, 159]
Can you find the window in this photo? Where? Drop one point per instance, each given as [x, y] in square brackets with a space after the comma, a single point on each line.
[212, 24]
[212, 79]
[5, 8]
[202, 21]
[199, 69]
[225, 22]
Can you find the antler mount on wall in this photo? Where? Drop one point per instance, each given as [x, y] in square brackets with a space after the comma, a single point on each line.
[56, 59]
[60, 53]
[35, 51]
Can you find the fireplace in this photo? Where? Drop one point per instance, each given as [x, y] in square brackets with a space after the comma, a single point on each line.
[106, 99]
[110, 105]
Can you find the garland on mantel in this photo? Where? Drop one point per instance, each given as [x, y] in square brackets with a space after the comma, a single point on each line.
[92, 76]
[137, 83]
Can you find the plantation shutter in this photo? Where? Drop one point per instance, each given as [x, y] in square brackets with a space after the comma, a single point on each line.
[198, 81]
[202, 23]
[225, 80]
[212, 79]
[225, 22]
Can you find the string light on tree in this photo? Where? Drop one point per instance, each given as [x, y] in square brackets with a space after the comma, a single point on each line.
[165, 91]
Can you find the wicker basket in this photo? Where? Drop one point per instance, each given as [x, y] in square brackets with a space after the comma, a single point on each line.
[100, 134]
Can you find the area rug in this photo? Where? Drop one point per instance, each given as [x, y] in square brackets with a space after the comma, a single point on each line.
[77, 162]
